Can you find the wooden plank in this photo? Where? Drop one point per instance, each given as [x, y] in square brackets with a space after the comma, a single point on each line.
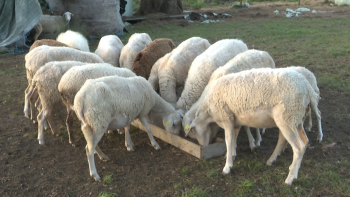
[177, 141]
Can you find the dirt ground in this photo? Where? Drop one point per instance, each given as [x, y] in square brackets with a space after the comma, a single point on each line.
[58, 169]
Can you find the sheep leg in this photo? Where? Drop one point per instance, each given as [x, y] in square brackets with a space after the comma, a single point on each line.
[128, 142]
[258, 137]
[298, 140]
[32, 100]
[41, 118]
[250, 138]
[27, 93]
[153, 142]
[100, 154]
[69, 124]
[309, 125]
[92, 139]
[281, 143]
[318, 115]
[230, 139]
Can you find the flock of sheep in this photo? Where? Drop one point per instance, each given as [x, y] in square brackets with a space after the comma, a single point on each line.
[196, 88]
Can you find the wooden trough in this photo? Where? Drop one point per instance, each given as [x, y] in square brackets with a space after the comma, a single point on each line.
[201, 152]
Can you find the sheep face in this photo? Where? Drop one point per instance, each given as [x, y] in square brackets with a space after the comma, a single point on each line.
[68, 16]
[201, 128]
[172, 123]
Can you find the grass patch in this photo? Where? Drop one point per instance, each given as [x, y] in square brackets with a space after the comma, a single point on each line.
[185, 170]
[195, 192]
[107, 194]
[108, 179]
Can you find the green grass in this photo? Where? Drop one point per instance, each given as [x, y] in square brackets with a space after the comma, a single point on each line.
[107, 194]
[185, 170]
[195, 192]
[108, 179]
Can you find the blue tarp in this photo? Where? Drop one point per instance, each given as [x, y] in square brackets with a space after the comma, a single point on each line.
[17, 17]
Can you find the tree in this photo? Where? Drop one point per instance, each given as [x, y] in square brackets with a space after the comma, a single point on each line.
[164, 6]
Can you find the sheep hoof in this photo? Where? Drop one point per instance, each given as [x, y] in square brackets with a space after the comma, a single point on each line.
[130, 148]
[41, 142]
[269, 163]
[34, 121]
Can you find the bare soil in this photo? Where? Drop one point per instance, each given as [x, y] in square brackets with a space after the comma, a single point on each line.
[58, 169]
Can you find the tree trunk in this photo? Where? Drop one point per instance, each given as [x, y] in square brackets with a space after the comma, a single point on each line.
[156, 6]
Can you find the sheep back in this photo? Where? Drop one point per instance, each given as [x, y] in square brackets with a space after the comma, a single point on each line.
[73, 79]
[74, 40]
[109, 49]
[100, 99]
[136, 43]
[204, 65]
[47, 42]
[146, 58]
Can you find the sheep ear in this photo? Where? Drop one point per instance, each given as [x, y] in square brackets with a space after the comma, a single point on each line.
[169, 123]
[188, 128]
[138, 56]
[180, 112]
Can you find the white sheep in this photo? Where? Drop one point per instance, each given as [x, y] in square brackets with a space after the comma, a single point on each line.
[114, 102]
[244, 61]
[136, 43]
[52, 24]
[41, 55]
[260, 98]
[46, 82]
[74, 40]
[74, 78]
[204, 65]
[109, 49]
[171, 72]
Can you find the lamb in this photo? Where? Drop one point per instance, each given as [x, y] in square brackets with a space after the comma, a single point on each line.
[109, 49]
[244, 61]
[52, 24]
[47, 42]
[114, 102]
[42, 55]
[46, 82]
[136, 43]
[204, 65]
[260, 98]
[74, 40]
[170, 72]
[146, 58]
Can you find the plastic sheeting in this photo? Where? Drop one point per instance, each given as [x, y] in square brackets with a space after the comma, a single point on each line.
[17, 17]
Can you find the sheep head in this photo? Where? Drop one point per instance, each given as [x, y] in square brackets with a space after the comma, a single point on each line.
[68, 16]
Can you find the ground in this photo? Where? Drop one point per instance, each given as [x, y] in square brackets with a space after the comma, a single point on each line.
[58, 169]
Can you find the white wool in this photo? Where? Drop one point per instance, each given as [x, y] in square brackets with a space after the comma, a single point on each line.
[171, 72]
[46, 81]
[73, 79]
[136, 43]
[243, 61]
[74, 39]
[204, 65]
[44, 54]
[109, 49]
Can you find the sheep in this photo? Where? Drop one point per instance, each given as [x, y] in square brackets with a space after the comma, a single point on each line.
[41, 55]
[146, 58]
[109, 49]
[260, 98]
[52, 24]
[74, 40]
[46, 81]
[47, 42]
[204, 65]
[136, 43]
[171, 71]
[243, 61]
[74, 78]
[114, 102]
